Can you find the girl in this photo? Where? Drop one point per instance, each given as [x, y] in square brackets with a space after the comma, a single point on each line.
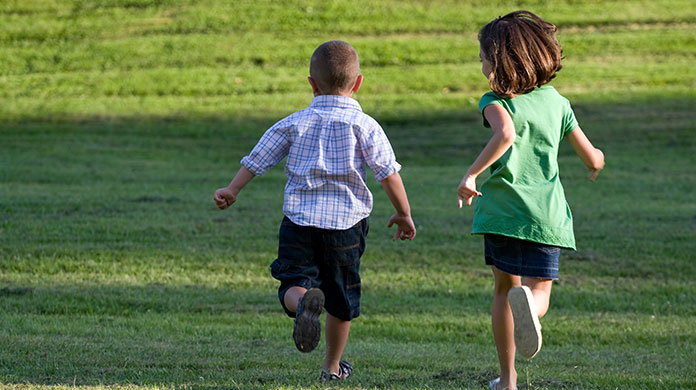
[522, 210]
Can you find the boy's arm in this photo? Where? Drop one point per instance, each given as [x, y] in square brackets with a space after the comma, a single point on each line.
[269, 151]
[394, 188]
[592, 157]
[503, 137]
[226, 196]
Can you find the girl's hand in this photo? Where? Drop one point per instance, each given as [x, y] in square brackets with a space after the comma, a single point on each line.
[594, 170]
[467, 190]
[592, 157]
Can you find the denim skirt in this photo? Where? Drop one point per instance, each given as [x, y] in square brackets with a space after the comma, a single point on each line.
[520, 257]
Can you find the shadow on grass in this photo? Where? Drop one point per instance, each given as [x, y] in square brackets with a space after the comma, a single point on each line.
[208, 337]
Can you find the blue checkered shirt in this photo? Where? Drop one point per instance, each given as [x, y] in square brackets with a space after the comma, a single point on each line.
[328, 146]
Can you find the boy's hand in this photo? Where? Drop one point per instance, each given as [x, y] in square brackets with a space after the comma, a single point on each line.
[467, 190]
[405, 227]
[225, 197]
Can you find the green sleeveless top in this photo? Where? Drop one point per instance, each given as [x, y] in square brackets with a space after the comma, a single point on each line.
[523, 197]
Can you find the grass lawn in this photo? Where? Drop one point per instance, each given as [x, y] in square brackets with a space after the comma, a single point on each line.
[120, 119]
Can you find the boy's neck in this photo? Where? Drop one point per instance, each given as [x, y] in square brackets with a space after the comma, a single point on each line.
[349, 94]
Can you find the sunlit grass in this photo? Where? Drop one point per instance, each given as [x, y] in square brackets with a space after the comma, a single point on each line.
[120, 118]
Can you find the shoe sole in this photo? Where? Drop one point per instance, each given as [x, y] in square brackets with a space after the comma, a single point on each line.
[307, 326]
[527, 327]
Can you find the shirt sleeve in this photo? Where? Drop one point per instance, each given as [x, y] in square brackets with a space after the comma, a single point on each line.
[486, 100]
[568, 122]
[271, 149]
[378, 153]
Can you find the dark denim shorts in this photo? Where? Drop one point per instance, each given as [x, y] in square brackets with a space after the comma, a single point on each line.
[520, 257]
[328, 259]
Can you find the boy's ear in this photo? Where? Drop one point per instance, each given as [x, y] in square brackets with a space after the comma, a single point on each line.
[358, 83]
[313, 83]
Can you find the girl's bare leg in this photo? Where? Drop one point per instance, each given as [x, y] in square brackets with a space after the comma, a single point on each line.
[504, 328]
[541, 289]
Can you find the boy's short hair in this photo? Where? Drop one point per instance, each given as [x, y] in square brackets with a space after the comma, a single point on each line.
[334, 67]
[523, 51]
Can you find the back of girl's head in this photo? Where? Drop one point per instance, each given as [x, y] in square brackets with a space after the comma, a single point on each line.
[523, 52]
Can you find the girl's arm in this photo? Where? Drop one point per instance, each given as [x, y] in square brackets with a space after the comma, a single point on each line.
[503, 137]
[592, 157]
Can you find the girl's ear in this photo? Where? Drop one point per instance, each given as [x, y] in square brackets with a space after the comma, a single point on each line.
[358, 83]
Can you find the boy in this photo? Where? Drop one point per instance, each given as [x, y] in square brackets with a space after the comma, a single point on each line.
[327, 202]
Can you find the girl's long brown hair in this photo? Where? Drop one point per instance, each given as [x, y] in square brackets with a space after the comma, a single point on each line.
[523, 52]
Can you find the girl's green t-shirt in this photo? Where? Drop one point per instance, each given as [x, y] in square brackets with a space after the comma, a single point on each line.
[523, 197]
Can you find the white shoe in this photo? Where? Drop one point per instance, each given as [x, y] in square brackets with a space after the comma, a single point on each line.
[527, 327]
[493, 385]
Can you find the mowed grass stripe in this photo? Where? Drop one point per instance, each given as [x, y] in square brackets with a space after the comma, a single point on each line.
[207, 294]
[206, 349]
[264, 51]
[599, 74]
[75, 21]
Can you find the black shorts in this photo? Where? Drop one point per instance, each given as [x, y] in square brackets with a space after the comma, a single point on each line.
[328, 259]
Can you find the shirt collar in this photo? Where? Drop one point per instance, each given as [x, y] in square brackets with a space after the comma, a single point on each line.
[337, 101]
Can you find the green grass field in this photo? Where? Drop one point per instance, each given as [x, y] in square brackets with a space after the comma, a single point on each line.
[119, 118]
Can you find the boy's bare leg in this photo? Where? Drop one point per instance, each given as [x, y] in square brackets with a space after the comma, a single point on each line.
[337, 331]
[541, 289]
[292, 297]
[504, 328]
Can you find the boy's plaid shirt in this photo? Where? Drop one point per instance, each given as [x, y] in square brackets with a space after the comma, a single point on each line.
[328, 145]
